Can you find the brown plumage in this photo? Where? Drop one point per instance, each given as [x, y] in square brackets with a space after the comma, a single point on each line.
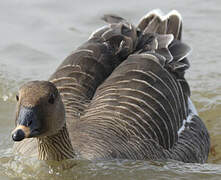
[122, 94]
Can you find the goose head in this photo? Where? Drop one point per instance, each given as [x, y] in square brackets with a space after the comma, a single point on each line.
[40, 111]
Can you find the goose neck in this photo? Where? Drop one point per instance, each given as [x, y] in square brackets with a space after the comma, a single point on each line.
[56, 147]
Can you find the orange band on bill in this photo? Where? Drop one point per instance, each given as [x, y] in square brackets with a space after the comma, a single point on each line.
[25, 129]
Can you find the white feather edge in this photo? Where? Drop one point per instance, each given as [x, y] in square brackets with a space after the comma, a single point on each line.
[156, 12]
[176, 13]
[161, 15]
[97, 30]
[192, 108]
[193, 112]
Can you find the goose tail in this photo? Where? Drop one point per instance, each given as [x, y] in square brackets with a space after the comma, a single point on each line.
[161, 34]
[157, 22]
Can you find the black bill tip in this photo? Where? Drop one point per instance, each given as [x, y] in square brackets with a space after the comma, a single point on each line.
[18, 135]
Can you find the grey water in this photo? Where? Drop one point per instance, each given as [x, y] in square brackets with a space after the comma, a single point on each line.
[35, 36]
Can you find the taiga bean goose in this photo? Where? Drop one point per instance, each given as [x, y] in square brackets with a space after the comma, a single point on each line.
[122, 94]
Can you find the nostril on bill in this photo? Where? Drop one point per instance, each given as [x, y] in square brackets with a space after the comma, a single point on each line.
[18, 135]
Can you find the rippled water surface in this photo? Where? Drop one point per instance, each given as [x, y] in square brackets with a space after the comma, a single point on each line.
[37, 35]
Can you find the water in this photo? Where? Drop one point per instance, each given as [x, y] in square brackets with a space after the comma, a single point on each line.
[37, 35]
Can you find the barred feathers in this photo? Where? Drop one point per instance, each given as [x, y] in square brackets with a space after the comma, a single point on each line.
[140, 111]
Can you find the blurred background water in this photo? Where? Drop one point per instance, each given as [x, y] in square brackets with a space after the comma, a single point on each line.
[37, 35]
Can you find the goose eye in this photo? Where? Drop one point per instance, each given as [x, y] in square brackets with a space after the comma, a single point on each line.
[17, 98]
[51, 99]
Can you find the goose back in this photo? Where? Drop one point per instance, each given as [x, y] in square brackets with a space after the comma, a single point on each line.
[137, 114]
[142, 111]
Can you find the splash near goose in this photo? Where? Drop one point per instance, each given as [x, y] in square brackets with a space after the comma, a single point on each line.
[122, 94]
